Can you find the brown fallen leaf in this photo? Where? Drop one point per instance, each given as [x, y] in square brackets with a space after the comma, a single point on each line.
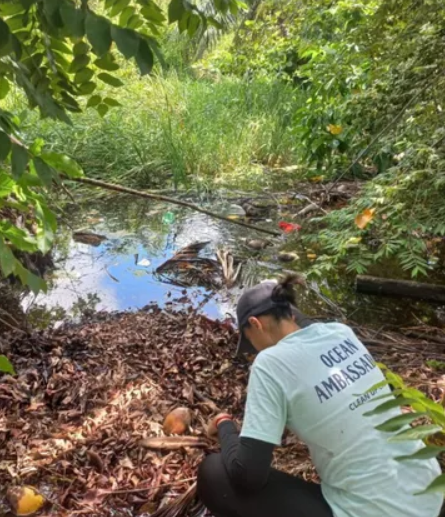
[148, 507]
[90, 238]
[95, 460]
[187, 393]
[173, 442]
[126, 463]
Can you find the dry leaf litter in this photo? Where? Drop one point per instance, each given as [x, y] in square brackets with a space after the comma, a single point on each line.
[82, 420]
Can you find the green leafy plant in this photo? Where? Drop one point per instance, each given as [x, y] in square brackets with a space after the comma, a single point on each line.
[25, 180]
[436, 365]
[428, 415]
[6, 366]
[370, 107]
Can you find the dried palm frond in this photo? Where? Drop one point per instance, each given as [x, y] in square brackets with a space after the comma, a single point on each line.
[186, 254]
[183, 506]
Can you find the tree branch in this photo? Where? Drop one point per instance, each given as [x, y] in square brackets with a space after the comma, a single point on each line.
[139, 193]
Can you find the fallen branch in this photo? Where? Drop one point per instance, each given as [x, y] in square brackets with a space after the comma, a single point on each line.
[123, 491]
[12, 327]
[429, 337]
[173, 442]
[313, 207]
[146, 195]
[390, 287]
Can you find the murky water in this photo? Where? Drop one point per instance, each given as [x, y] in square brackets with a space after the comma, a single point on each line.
[119, 275]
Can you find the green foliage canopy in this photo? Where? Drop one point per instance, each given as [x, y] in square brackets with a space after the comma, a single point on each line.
[369, 77]
[57, 52]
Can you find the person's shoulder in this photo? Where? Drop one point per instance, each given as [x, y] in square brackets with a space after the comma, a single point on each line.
[262, 358]
[268, 367]
[271, 358]
[336, 329]
[266, 359]
[337, 326]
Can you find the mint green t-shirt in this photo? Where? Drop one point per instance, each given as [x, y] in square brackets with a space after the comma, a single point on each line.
[311, 382]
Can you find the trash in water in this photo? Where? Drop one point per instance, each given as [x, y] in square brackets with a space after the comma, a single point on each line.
[236, 210]
[187, 267]
[289, 227]
[285, 256]
[168, 218]
[92, 239]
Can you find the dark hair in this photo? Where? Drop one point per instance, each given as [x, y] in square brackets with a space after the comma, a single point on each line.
[284, 292]
[284, 296]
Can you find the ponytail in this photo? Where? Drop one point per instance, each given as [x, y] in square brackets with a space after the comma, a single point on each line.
[284, 292]
[284, 297]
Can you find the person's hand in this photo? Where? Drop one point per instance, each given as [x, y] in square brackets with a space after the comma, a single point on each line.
[212, 428]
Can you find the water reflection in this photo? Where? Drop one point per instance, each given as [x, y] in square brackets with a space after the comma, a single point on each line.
[118, 274]
[119, 271]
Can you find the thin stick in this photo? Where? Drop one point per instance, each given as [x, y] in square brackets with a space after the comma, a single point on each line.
[12, 327]
[57, 476]
[10, 316]
[134, 192]
[137, 490]
[68, 193]
[301, 212]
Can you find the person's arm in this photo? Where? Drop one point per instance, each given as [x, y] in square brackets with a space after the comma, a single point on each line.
[247, 460]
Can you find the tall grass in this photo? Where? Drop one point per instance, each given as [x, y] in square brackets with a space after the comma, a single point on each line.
[179, 129]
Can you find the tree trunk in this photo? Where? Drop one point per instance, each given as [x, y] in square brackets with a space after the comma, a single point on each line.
[390, 287]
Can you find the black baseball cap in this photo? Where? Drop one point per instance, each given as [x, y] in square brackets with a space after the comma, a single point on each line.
[258, 300]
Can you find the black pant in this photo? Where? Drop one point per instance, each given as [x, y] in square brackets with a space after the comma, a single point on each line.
[282, 496]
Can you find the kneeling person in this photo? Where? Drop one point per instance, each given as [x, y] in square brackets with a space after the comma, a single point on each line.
[307, 377]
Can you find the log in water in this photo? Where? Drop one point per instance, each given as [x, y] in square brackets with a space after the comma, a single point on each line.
[390, 287]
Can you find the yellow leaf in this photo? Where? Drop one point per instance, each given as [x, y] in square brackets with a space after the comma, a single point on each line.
[25, 500]
[355, 240]
[335, 130]
[362, 220]
[311, 256]
[317, 179]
